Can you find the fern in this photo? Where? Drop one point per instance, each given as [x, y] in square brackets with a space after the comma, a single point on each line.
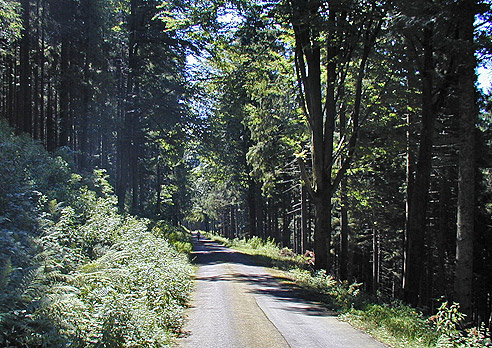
[5, 271]
[73, 271]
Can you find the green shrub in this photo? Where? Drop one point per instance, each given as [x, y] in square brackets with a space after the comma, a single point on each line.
[131, 296]
[342, 296]
[448, 320]
[73, 271]
[225, 241]
[396, 324]
[177, 236]
[255, 242]
[267, 251]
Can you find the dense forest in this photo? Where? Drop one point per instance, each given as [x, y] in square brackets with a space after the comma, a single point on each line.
[354, 129]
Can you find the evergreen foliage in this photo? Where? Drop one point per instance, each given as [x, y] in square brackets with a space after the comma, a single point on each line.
[352, 128]
[10, 23]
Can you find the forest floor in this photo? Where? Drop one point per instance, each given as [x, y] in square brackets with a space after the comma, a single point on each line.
[237, 303]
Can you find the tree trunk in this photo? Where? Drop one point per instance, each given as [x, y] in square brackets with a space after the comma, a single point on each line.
[344, 266]
[321, 108]
[441, 240]
[127, 137]
[416, 224]
[37, 90]
[207, 223]
[24, 118]
[285, 225]
[234, 231]
[260, 216]
[11, 91]
[466, 157]
[51, 138]
[251, 198]
[158, 188]
[344, 229]
[134, 178]
[375, 261]
[276, 226]
[84, 116]
[304, 217]
[42, 59]
[122, 146]
[122, 168]
[322, 234]
[65, 126]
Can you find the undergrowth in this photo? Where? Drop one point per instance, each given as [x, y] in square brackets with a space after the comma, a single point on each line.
[267, 252]
[395, 324]
[74, 272]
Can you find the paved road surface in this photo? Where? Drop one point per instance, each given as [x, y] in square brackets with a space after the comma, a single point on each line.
[237, 304]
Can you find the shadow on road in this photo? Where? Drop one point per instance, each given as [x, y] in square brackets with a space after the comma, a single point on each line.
[259, 281]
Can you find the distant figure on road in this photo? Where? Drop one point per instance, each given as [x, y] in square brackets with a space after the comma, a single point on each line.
[198, 235]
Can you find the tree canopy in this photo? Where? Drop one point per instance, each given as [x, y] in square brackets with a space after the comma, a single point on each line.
[354, 129]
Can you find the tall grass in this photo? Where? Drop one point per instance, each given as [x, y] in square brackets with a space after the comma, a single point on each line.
[267, 251]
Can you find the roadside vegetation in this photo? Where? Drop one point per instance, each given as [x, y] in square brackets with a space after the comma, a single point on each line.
[73, 270]
[395, 324]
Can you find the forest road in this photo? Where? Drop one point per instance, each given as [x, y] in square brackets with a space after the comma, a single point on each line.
[238, 304]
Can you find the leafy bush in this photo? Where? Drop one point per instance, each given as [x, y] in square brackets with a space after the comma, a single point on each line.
[132, 296]
[447, 321]
[225, 241]
[73, 271]
[177, 236]
[342, 296]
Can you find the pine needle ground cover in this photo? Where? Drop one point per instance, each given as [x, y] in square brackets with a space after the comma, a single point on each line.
[73, 271]
[394, 324]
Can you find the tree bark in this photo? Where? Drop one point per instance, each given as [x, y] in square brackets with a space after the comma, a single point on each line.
[285, 225]
[344, 226]
[134, 175]
[233, 212]
[322, 239]
[260, 215]
[36, 119]
[417, 206]
[375, 261]
[321, 116]
[251, 200]
[11, 91]
[42, 60]
[127, 136]
[158, 188]
[121, 144]
[65, 126]
[86, 97]
[308, 63]
[51, 137]
[344, 242]
[304, 222]
[466, 157]
[24, 118]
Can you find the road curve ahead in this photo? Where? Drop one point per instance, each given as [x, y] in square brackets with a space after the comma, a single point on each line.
[237, 304]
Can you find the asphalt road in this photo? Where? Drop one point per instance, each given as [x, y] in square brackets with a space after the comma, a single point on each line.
[239, 304]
